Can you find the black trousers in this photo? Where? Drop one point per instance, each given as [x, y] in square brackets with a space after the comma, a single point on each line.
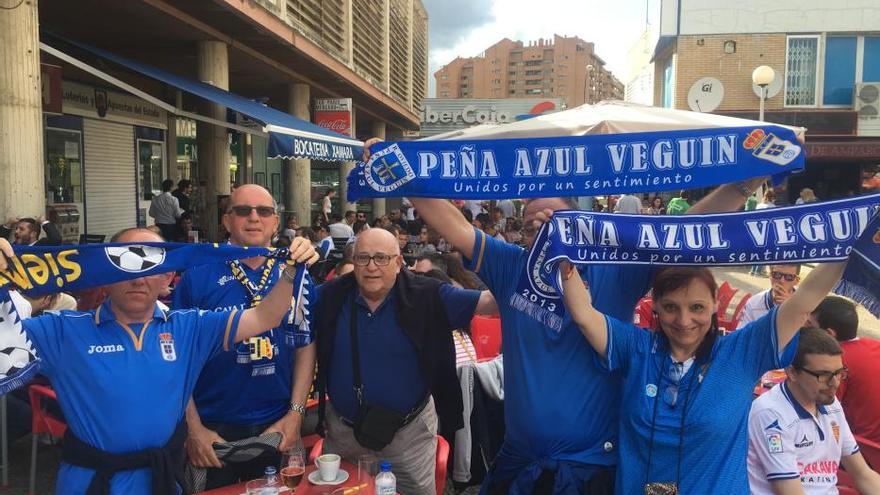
[238, 472]
[602, 483]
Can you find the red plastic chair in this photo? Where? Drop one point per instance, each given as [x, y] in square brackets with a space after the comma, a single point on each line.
[644, 314]
[440, 468]
[725, 295]
[730, 325]
[42, 423]
[486, 334]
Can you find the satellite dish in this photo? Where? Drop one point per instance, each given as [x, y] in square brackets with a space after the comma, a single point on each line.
[773, 88]
[705, 95]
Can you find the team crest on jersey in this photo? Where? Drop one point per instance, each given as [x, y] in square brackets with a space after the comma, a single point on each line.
[835, 428]
[166, 345]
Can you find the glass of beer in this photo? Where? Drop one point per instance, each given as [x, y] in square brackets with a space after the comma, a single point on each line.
[292, 471]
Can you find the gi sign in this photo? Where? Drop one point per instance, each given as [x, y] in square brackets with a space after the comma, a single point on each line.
[334, 114]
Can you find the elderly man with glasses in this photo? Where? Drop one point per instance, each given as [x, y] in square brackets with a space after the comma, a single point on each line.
[783, 282]
[798, 434]
[387, 361]
[261, 385]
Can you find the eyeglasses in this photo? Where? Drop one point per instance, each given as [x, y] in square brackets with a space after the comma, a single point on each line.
[245, 210]
[670, 394]
[379, 259]
[825, 377]
[789, 277]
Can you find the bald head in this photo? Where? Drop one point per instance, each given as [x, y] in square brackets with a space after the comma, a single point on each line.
[136, 234]
[251, 192]
[377, 240]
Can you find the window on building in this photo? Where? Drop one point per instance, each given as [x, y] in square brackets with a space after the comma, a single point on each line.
[511, 73]
[840, 70]
[668, 84]
[534, 91]
[151, 155]
[871, 59]
[64, 166]
[444, 76]
[802, 57]
[512, 91]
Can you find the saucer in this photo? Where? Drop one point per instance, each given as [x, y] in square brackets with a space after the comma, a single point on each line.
[315, 478]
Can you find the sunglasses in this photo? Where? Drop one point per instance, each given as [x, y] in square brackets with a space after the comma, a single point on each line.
[245, 210]
[787, 276]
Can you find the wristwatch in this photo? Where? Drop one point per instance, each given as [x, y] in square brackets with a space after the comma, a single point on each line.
[297, 407]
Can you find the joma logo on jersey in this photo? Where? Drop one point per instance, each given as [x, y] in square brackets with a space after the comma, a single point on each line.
[261, 348]
[105, 349]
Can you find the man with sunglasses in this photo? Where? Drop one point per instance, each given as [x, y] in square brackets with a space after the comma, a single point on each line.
[261, 385]
[783, 282]
[386, 359]
[798, 434]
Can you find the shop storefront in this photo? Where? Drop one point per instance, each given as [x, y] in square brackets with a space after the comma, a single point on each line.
[105, 159]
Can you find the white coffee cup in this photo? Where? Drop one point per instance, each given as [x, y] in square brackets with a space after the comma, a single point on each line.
[328, 465]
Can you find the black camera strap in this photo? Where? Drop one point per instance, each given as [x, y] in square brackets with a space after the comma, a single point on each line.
[355, 354]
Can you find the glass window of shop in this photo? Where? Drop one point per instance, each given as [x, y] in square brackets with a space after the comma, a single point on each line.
[151, 162]
[324, 176]
[64, 182]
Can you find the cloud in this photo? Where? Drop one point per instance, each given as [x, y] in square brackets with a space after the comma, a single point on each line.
[449, 21]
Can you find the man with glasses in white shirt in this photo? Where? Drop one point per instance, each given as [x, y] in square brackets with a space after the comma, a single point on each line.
[798, 434]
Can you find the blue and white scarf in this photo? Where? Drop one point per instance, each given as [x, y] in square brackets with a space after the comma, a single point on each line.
[576, 165]
[828, 231]
[43, 270]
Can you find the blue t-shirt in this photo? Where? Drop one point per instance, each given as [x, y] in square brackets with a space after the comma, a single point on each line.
[715, 440]
[559, 406]
[125, 391]
[389, 361]
[251, 383]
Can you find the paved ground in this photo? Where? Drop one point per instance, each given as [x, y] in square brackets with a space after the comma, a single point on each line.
[49, 456]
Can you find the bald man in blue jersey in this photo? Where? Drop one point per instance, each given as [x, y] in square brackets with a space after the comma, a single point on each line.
[124, 374]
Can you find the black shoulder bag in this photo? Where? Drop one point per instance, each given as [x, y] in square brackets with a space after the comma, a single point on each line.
[374, 426]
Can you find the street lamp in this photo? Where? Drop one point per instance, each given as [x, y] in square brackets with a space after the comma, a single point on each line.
[762, 77]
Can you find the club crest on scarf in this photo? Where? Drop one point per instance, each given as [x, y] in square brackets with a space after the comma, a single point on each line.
[387, 170]
[767, 146]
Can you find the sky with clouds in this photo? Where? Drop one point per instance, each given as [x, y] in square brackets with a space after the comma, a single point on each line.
[467, 27]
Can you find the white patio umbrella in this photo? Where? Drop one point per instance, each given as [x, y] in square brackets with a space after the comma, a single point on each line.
[607, 117]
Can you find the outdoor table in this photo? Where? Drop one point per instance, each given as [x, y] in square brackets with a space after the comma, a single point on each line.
[305, 487]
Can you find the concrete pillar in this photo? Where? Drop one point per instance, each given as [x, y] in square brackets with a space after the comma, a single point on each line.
[345, 168]
[299, 174]
[378, 203]
[174, 173]
[213, 142]
[348, 19]
[22, 168]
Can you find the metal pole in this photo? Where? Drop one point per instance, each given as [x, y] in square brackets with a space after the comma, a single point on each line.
[761, 108]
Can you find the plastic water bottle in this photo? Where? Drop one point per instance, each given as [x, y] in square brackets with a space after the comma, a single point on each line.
[270, 484]
[386, 483]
